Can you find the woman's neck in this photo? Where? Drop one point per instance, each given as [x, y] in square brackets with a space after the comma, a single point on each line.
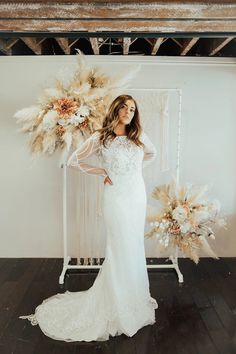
[120, 129]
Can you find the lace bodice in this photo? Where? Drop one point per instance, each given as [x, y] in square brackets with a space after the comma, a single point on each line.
[120, 156]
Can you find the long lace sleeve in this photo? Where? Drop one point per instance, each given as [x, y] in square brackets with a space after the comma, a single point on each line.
[150, 151]
[88, 148]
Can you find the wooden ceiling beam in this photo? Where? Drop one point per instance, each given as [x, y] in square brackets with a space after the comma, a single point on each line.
[11, 42]
[187, 45]
[64, 44]
[154, 26]
[146, 9]
[218, 44]
[72, 42]
[102, 41]
[126, 45]
[147, 16]
[177, 42]
[59, 2]
[149, 40]
[94, 44]
[4, 48]
[34, 44]
[6, 45]
[156, 45]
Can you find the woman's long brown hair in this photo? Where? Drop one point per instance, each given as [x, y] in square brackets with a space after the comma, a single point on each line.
[133, 129]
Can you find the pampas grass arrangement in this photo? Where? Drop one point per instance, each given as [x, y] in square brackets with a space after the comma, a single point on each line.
[72, 110]
[185, 219]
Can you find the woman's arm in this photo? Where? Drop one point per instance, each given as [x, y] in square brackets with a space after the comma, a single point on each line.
[149, 149]
[88, 148]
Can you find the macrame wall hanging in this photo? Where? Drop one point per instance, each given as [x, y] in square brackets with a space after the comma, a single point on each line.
[157, 108]
[160, 111]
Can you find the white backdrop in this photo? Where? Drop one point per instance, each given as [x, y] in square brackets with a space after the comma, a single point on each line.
[31, 194]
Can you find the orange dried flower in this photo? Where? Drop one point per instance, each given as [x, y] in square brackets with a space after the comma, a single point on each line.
[82, 125]
[65, 107]
[174, 229]
[60, 130]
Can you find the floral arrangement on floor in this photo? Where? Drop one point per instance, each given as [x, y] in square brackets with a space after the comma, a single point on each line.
[185, 219]
[71, 111]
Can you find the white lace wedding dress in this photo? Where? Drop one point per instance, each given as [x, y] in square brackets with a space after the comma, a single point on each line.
[119, 300]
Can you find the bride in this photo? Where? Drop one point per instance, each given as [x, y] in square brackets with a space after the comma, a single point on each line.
[119, 301]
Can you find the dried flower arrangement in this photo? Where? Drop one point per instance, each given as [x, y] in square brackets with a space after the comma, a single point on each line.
[185, 219]
[69, 112]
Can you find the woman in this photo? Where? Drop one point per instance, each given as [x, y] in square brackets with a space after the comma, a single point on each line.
[119, 301]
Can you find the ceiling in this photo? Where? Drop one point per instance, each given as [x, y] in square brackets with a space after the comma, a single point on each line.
[155, 28]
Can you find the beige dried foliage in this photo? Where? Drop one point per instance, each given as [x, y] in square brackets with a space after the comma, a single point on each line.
[182, 193]
[37, 144]
[162, 193]
[184, 220]
[89, 87]
[188, 245]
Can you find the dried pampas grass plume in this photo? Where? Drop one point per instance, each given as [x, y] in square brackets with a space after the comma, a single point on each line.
[72, 110]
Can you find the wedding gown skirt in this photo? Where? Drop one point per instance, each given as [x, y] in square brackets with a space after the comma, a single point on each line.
[119, 300]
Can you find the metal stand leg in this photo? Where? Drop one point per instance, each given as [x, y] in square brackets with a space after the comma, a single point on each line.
[174, 265]
[64, 269]
[174, 260]
[66, 258]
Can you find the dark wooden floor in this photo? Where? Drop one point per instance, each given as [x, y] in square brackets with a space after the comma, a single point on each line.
[197, 317]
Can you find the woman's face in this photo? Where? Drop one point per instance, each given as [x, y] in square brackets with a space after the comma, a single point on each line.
[126, 112]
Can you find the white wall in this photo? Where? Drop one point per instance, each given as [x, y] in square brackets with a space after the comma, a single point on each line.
[31, 194]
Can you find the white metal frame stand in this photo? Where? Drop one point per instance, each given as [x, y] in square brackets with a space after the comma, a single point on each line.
[173, 257]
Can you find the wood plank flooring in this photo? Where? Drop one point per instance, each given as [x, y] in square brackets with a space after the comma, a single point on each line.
[196, 317]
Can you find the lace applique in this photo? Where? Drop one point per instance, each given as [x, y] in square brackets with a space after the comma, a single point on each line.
[122, 156]
[128, 311]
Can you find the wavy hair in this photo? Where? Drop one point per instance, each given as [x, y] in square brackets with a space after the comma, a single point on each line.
[111, 121]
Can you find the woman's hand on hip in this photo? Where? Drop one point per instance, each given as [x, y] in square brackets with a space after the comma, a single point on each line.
[108, 180]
